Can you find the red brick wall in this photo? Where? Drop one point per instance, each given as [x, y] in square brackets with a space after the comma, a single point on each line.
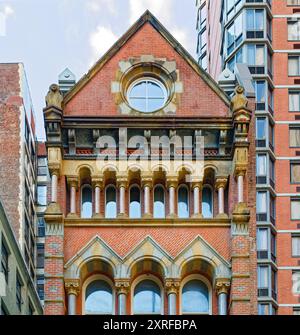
[96, 99]
[10, 141]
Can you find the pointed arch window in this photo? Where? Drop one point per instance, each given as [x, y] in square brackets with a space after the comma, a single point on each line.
[86, 202]
[110, 202]
[159, 208]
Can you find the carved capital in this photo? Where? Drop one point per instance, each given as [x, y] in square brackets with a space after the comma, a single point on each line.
[172, 181]
[222, 285]
[147, 180]
[97, 182]
[221, 182]
[72, 181]
[198, 184]
[72, 286]
[172, 286]
[122, 181]
[122, 286]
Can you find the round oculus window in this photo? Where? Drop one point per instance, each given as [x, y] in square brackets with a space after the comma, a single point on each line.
[147, 95]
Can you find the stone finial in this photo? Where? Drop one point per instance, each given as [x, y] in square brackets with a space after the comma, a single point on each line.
[239, 101]
[54, 97]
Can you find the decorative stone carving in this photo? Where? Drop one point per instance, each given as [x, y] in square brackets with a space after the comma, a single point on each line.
[172, 286]
[72, 286]
[222, 285]
[122, 286]
[239, 101]
[221, 182]
[240, 219]
[54, 97]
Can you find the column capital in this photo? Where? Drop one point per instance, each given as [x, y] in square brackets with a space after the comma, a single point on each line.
[221, 182]
[72, 286]
[172, 181]
[240, 170]
[222, 285]
[97, 182]
[122, 180]
[73, 181]
[198, 184]
[172, 285]
[55, 171]
[122, 286]
[147, 180]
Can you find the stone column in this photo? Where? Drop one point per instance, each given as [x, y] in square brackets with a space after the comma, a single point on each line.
[220, 186]
[73, 184]
[240, 180]
[147, 182]
[197, 187]
[54, 180]
[122, 288]
[172, 287]
[172, 183]
[98, 186]
[122, 182]
[72, 287]
[222, 288]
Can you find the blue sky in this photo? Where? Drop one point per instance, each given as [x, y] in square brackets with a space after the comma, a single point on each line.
[50, 35]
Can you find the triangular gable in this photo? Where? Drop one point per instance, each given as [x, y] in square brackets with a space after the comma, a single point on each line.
[148, 17]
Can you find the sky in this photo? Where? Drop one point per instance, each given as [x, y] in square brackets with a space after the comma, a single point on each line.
[49, 35]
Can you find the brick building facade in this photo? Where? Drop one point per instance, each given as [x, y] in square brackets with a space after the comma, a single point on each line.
[157, 234]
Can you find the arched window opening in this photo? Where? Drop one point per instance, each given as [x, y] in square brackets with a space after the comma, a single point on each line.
[195, 298]
[98, 298]
[110, 203]
[135, 203]
[147, 298]
[159, 208]
[183, 202]
[86, 202]
[207, 202]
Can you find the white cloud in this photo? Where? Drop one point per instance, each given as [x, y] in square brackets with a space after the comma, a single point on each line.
[160, 8]
[182, 37]
[98, 5]
[4, 14]
[100, 41]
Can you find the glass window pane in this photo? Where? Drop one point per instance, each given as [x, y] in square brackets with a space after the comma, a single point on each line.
[261, 165]
[295, 209]
[295, 172]
[294, 101]
[259, 20]
[250, 19]
[154, 90]
[139, 90]
[261, 91]
[159, 203]
[86, 202]
[261, 202]
[99, 299]
[147, 299]
[262, 239]
[195, 297]
[183, 203]
[293, 66]
[135, 203]
[260, 56]
[296, 246]
[207, 203]
[263, 277]
[251, 54]
[42, 195]
[295, 137]
[111, 203]
[261, 129]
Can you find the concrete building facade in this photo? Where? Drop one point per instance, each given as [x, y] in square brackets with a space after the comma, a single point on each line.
[265, 36]
[132, 227]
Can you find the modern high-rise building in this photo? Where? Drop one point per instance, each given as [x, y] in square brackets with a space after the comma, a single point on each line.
[152, 169]
[18, 164]
[265, 35]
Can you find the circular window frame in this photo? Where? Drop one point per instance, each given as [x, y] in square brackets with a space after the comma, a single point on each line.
[148, 79]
